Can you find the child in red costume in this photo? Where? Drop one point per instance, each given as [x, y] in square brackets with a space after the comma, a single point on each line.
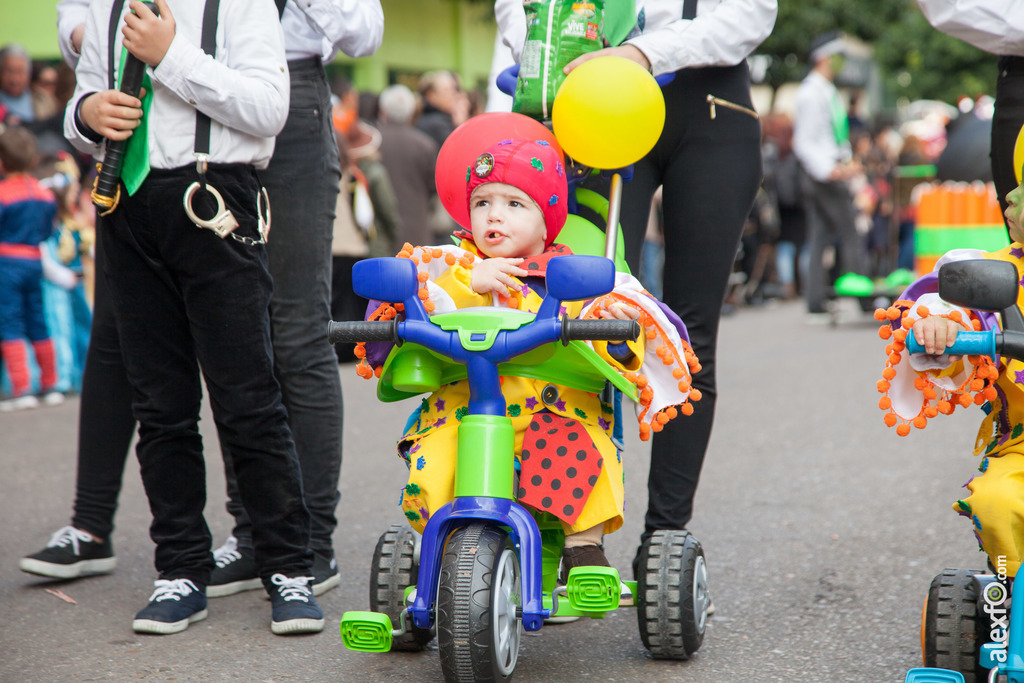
[27, 213]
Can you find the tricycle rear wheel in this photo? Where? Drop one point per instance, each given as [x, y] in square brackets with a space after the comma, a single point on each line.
[672, 594]
[954, 626]
[394, 569]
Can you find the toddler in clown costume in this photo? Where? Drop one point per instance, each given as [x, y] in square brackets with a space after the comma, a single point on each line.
[921, 386]
[569, 466]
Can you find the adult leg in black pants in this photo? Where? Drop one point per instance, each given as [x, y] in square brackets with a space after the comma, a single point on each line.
[302, 181]
[1006, 123]
[105, 429]
[710, 169]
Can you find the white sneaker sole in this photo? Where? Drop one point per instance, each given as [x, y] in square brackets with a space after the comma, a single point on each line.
[163, 628]
[226, 589]
[284, 628]
[327, 584]
[68, 571]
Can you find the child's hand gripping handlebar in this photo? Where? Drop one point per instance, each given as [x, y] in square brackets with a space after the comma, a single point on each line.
[967, 344]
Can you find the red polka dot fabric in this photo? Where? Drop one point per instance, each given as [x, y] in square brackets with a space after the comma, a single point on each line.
[560, 465]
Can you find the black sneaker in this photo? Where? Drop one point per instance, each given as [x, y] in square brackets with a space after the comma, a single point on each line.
[71, 553]
[172, 607]
[235, 571]
[294, 607]
[325, 573]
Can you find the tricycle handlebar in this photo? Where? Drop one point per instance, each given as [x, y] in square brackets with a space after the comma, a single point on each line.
[966, 344]
[599, 330]
[354, 332]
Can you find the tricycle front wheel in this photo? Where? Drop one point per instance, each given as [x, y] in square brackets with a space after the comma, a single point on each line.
[478, 595]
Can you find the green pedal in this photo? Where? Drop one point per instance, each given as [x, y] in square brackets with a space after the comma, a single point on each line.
[593, 589]
[366, 631]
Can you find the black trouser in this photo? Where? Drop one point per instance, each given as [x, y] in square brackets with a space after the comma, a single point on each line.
[105, 421]
[302, 183]
[830, 217]
[710, 170]
[186, 299]
[1007, 120]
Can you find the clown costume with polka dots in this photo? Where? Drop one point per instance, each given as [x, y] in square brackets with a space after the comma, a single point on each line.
[569, 466]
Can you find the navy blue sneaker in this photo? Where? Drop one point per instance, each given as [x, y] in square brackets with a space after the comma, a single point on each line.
[294, 607]
[71, 553]
[173, 606]
[325, 573]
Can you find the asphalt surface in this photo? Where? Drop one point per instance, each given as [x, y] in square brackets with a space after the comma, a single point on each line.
[822, 529]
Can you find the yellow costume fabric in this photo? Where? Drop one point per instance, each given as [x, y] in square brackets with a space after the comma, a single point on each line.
[429, 444]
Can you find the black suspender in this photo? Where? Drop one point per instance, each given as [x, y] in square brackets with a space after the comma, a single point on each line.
[115, 21]
[689, 9]
[209, 45]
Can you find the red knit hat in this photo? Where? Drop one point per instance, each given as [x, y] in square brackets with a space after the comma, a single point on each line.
[532, 166]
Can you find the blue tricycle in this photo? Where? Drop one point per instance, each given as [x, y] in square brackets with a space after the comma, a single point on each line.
[970, 633]
[486, 567]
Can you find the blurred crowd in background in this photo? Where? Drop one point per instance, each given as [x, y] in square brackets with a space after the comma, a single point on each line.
[389, 142]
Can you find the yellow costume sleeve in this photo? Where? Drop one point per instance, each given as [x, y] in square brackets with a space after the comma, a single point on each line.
[637, 347]
[456, 281]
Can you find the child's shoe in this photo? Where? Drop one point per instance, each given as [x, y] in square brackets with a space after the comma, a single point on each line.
[582, 556]
[173, 606]
[26, 402]
[295, 609]
[71, 553]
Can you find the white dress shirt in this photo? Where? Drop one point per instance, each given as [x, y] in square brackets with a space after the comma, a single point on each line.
[995, 26]
[70, 15]
[724, 32]
[320, 28]
[245, 91]
[312, 28]
[814, 137]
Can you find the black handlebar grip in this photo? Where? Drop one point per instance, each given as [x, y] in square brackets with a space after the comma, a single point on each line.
[370, 331]
[113, 157]
[600, 330]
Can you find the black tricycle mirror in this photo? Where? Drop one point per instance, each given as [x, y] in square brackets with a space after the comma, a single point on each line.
[984, 285]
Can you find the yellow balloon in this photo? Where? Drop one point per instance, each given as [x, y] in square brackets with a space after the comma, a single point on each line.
[1018, 154]
[608, 113]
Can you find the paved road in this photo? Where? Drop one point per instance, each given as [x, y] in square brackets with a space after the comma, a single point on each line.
[822, 529]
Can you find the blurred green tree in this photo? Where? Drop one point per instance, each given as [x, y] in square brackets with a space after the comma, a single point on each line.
[915, 60]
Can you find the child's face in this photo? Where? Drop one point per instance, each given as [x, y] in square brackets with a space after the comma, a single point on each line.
[506, 222]
[1014, 211]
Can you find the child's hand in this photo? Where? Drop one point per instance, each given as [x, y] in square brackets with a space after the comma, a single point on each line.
[936, 334]
[111, 113]
[620, 311]
[146, 35]
[495, 275]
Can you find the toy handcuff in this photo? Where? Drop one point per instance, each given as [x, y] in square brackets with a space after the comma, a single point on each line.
[223, 222]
